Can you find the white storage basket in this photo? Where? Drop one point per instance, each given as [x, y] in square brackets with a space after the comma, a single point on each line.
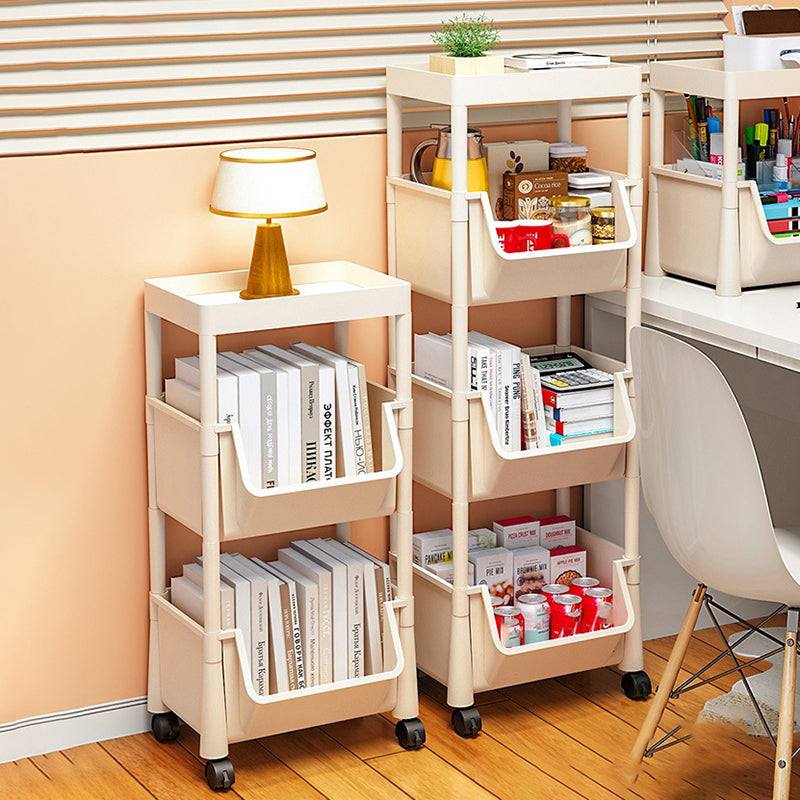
[249, 715]
[689, 210]
[248, 511]
[423, 251]
[495, 666]
[495, 472]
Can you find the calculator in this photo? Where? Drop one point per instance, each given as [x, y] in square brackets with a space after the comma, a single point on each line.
[568, 372]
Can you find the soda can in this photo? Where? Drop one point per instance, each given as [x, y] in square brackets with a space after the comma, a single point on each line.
[496, 601]
[580, 585]
[565, 615]
[510, 625]
[550, 590]
[536, 613]
[598, 603]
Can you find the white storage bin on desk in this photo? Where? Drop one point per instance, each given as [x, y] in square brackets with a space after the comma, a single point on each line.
[495, 472]
[249, 511]
[495, 666]
[250, 715]
[423, 251]
[689, 210]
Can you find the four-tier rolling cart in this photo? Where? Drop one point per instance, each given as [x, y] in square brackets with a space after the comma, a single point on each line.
[444, 244]
[198, 476]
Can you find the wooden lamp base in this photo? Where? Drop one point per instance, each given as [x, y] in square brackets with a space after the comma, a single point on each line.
[269, 268]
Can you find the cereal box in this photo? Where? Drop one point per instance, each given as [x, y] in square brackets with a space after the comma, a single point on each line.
[557, 532]
[566, 564]
[494, 568]
[517, 532]
[531, 570]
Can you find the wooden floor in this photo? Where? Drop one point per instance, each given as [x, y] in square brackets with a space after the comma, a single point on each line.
[560, 739]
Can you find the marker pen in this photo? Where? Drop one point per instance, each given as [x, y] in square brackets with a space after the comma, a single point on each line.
[762, 138]
[690, 109]
[751, 155]
[772, 147]
[702, 129]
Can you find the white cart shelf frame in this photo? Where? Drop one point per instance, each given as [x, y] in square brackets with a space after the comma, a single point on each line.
[464, 667]
[744, 238]
[197, 671]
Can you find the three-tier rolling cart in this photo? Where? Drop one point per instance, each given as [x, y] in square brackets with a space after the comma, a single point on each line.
[197, 475]
[444, 243]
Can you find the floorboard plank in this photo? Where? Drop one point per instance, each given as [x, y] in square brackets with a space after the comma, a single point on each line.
[424, 775]
[22, 780]
[258, 772]
[367, 737]
[497, 768]
[329, 767]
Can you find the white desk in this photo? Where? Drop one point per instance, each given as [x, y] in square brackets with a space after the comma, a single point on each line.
[760, 323]
[748, 337]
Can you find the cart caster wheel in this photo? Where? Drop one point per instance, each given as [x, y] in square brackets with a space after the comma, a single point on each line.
[466, 722]
[636, 685]
[410, 734]
[166, 727]
[219, 774]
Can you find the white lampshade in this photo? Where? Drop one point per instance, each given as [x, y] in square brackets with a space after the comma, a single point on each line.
[268, 182]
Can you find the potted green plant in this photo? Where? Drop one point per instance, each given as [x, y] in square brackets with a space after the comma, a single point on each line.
[465, 41]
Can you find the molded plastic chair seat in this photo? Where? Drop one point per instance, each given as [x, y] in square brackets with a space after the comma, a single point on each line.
[703, 485]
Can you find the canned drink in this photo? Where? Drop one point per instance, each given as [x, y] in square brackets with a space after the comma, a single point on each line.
[580, 585]
[598, 603]
[565, 615]
[510, 625]
[536, 613]
[550, 590]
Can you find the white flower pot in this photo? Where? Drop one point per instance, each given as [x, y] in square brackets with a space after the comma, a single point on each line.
[452, 65]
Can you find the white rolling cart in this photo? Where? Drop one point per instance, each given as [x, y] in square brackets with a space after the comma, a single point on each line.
[197, 475]
[444, 244]
[709, 230]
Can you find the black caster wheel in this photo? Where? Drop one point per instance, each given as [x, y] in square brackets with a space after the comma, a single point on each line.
[466, 722]
[636, 685]
[166, 727]
[219, 774]
[410, 734]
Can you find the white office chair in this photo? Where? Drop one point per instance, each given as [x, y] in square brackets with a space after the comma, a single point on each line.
[703, 486]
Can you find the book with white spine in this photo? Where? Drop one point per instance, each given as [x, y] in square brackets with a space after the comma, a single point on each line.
[373, 648]
[355, 605]
[188, 370]
[383, 585]
[309, 617]
[321, 577]
[341, 633]
[295, 646]
[309, 399]
[187, 597]
[487, 369]
[259, 615]
[363, 403]
[542, 434]
[287, 415]
[345, 437]
[433, 359]
[241, 602]
[194, 572]
[269, 463]
[249, 384]
[183, 396]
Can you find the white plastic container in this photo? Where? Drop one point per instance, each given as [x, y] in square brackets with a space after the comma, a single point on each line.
[424, 245]
[250, 511]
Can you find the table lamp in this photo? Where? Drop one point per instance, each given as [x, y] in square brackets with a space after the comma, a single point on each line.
[268, 183]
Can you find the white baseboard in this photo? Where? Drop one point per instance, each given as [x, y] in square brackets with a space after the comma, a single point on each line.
[50, 732]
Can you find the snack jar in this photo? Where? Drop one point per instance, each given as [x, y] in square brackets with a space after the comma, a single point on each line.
[603, 225]
[572, 219]
[510, 625]
[568, 157]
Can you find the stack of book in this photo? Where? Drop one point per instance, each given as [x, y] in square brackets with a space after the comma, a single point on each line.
[578, 398]
[313, 616]
[302, 413]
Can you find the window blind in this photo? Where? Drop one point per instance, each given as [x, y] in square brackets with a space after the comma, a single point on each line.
[80, 75]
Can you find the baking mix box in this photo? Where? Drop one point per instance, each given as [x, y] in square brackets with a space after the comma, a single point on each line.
[494, 568]
[566, 564]
[517, 532]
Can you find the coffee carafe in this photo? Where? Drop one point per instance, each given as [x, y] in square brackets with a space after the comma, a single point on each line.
[442, 176]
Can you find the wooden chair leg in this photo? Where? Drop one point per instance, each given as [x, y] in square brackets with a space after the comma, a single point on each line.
[783, 751]
[669, 678]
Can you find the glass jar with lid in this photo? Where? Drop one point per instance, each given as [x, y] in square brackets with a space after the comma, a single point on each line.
[572, 219]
